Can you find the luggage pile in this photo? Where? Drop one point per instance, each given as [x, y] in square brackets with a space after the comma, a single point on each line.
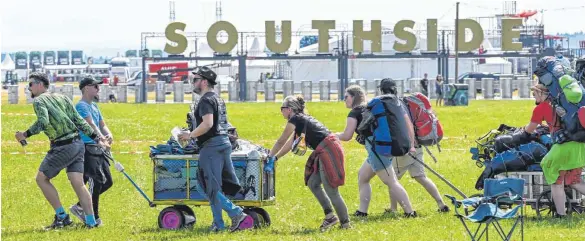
[510, 149]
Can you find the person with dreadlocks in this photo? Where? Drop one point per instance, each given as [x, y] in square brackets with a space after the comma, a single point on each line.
[324, 167]
[563, 164]
[355, 99]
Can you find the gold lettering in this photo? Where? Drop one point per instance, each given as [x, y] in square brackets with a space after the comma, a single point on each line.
[401, 33]
[172, 35]
[508, 34]
[232, 37]
[432, 35]
[285, 37]
[323, 26]
[477, 37]
[374, 35]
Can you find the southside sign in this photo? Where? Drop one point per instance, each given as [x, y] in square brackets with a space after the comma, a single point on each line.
[359, 35]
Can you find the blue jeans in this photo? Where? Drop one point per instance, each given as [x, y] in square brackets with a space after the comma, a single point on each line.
[216, 162]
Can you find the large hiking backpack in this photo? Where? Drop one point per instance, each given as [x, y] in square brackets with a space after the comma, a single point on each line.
[566, 94]
[385, 118]
[427, 128]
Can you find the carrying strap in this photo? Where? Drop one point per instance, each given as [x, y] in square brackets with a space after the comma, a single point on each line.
[377, 156]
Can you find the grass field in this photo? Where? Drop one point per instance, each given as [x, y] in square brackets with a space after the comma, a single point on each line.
[296, 216]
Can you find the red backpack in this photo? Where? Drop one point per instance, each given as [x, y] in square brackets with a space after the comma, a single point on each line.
[427, 128]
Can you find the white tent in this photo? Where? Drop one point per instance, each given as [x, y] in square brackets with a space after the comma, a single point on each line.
[8, 63]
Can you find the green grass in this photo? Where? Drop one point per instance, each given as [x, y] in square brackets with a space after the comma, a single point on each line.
[296, 216]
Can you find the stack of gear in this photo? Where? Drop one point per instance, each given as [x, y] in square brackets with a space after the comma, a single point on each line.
[510, 149]
[172, 147]
[565, 93]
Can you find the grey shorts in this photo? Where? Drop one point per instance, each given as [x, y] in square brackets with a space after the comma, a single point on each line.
[68, 156]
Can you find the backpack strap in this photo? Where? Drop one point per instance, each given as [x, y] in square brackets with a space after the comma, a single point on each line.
[377, 156]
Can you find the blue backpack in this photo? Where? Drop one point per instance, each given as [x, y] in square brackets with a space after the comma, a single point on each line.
[385, 118]
[567, 97]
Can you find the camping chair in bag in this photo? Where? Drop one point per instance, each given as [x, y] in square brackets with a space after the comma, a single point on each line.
[500, 197]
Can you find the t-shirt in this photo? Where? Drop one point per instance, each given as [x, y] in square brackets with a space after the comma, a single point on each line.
[88, 109]
[211, 103]
[57, 118]
[356, 113]
[316, 132]
[425, 84]
[544, 112]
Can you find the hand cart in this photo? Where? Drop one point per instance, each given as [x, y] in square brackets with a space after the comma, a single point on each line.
[175, 184]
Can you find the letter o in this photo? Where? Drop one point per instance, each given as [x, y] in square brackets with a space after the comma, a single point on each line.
[232, 37]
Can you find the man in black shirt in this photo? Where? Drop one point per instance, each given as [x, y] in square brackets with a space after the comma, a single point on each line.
[424, 84]
[216, 171]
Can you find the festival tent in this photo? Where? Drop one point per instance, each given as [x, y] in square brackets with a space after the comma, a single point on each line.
[8, 63]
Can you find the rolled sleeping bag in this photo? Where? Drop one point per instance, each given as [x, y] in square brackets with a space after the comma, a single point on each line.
[503, 143]
[532, 153]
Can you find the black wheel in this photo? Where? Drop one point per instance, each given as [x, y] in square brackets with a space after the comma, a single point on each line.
[171, 218]
[545, 205]
[263, 216]
[254, 216]
[190, 218]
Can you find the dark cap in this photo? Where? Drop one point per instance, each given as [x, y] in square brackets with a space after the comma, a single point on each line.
[89, 81]
[206, 73]
[388, 85]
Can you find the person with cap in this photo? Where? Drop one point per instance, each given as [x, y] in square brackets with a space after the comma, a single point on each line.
[355, 99]
[57, 118]
[563, 164]
[216, 172]
[407, 163]
[96, 166]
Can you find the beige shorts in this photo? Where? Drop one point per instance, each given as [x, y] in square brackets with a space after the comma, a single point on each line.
[407, 163]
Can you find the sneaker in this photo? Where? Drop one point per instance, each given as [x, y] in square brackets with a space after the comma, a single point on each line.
[328, 222]
[98, 222]
[360, 214]
[59, 222]
[241, 222]
[77, 211]
[444, 209]
[411, 215]
[214, 228]
[346, 225]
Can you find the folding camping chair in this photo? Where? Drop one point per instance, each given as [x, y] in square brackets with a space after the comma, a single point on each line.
[500, 197]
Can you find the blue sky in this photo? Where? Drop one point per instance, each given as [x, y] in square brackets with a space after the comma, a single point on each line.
[117, 24]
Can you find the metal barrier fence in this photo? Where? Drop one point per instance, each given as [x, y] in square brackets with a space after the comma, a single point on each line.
[321, 90]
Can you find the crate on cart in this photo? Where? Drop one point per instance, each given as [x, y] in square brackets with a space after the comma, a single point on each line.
[175, 183]
[537, 193]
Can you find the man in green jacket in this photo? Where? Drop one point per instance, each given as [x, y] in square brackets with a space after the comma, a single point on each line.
[58, 119]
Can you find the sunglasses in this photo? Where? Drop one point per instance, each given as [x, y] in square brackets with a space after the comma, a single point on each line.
[283, 107]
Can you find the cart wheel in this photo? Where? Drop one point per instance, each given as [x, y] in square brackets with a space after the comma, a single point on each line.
[254, 216]
[190, 218]
[171, 218]
[545, 205]
[263, 216]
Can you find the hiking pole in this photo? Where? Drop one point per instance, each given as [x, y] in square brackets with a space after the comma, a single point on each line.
[438, 175]
[120, 168]
[431, 154]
